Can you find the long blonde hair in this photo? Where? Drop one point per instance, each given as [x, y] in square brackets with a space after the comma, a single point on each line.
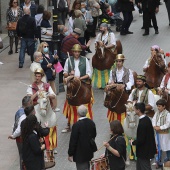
[40, 47]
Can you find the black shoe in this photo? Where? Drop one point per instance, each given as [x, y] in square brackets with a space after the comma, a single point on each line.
[16, 51]
[89, 51]
[122, 33]
[129, 32]
[20, 65]
[150, 26]
[10, 52]
[142, 28]
[156, 32]
[146, 33]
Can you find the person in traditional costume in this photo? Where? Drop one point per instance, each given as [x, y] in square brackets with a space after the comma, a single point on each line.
[79, 67]
[106, 39]
[38, 59]
[165, 84]
[33, 90]
[141, 94]
[154, 49]
[161, 124]
[123, 76]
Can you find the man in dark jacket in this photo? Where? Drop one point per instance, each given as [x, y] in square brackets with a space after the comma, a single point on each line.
[80, 148]
[145, 141]
[126, 7]
[149, 7]
[26, 29]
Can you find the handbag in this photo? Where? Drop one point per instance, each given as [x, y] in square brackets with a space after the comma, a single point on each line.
[89, 28]
[12, 26]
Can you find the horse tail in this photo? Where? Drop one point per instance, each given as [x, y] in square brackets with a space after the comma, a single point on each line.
[119, 47]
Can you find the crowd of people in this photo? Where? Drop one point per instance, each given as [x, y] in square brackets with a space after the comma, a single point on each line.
[35, 31]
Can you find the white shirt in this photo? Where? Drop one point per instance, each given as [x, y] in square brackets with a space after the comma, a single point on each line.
[119, 75]
[33, 67]
[76, 69]
[142, 116]
[151, 99]
[162, 85]
[27, 6]
[163, 138]
[81, 118]
[147, 62]
[105, 38]
[17, 132]
[15, 12]
[50, 91]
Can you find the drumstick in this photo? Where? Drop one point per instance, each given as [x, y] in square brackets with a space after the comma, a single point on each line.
[107, 142]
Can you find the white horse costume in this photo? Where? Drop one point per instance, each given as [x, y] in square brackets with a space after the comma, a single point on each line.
[44, 112]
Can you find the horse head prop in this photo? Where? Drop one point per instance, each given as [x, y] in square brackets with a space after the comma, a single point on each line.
[104, 57]
[115, 98]
[78, 91]
[131, 121]
[155, 71]
[44, 112]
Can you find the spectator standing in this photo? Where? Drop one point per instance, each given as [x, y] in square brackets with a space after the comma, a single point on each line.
[70, 22]
[47, 30]
[116, 147]
[145, 140]
[14, 13]
[38, 19]
[80, 23]
[127, 7]
[31, 6]
[150, 7]
[38, 59]
[69, 41]
[89, 24]
[94, 8]
[76, 6]
[19, 117]
[167, 3]
[161, 123]
[26, 29]
[80, 150]
[33, 156]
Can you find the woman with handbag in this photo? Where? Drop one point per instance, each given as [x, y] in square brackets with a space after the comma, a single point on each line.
[14, 12]
[48, 66]
[116, 147]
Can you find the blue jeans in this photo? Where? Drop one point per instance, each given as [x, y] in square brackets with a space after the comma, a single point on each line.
[29, 44]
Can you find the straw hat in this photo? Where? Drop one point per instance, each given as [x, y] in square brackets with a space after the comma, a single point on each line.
[76, 47]
[120, 57]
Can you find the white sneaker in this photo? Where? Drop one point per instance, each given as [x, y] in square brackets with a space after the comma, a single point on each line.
[141, 14]
[56, 110]
[55, 151]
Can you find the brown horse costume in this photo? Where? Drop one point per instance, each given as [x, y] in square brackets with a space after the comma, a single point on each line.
[78, 92]
[166, 96]
[104, 58]
[115, 99]
[156, 71]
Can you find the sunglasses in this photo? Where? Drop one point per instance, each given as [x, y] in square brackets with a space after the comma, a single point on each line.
[46, 46]
[15, 2]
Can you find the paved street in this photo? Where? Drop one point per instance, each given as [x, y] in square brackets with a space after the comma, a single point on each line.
[136, 49]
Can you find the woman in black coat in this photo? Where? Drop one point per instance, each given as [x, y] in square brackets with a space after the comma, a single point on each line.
[116, 147]
[33, 156]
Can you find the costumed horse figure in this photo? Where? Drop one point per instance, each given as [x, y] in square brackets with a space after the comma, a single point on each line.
[78, 92]
[44, 113]
[155, 71]
[130, 128]
[114, 101]
[102, 62]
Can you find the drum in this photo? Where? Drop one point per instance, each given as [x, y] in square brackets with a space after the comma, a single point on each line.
[100, 164]
[49, 159]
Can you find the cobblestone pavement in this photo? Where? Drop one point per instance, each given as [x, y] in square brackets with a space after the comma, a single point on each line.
[136, 49]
